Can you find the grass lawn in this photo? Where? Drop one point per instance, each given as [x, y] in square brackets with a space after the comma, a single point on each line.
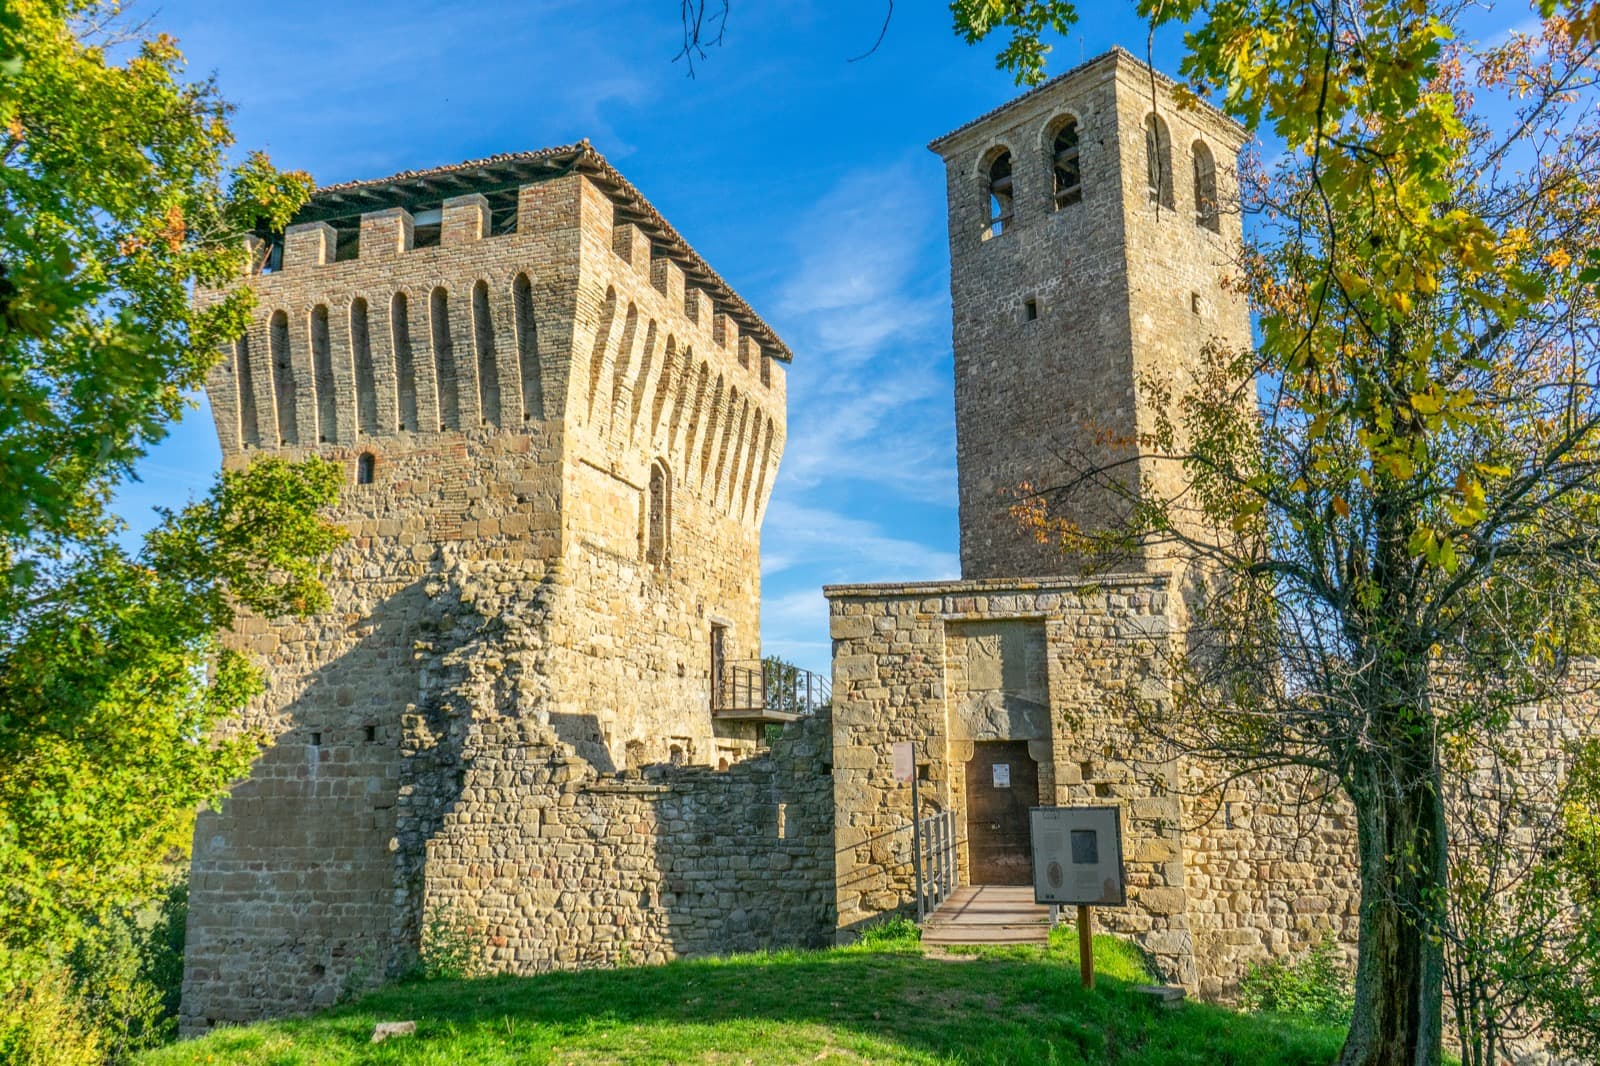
[883, 1003]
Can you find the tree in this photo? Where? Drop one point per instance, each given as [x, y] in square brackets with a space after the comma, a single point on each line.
[1401, 552]
[114, 205]
[114, 687]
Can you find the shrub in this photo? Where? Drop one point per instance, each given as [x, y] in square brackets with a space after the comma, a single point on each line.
[1315, 986]
[890, 932]
[42, 1023]
[452, 947]
[127, 973]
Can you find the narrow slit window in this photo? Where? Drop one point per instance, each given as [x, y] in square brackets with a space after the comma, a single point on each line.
[998, 202]
[1064, 159]
[527, 348]
[444, 365]
[1030, 309]
[405, 367]
[659, 517]
[249, 425]
[488, 368]
[361, 359]
[322, 380]
[283, 383]
[366, 468]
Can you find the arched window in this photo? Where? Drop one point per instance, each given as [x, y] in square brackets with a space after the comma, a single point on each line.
[444, 363]
[997, 200]
[405, 367]
[527, 348]
[1158, 162]
[1205, 189]
[249, 426]
[658, 519]
[366, 468]
[1064, 163]
[322, 379]
[488, 367]
[361, 360]
[283, 383]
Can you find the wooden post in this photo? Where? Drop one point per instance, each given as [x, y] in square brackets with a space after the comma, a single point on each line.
[1086, 947]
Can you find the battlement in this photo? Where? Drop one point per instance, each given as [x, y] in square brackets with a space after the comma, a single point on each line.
[456, 300]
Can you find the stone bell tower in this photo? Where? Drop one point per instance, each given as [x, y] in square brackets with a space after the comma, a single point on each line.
[1093, 226]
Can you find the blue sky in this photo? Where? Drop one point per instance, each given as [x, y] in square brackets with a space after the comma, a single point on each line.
[800, 176]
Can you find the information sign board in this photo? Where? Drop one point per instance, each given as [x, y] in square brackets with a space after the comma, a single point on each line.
[904, 756]
[1077, 856]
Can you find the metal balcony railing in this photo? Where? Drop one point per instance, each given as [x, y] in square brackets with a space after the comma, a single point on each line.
[767, 691]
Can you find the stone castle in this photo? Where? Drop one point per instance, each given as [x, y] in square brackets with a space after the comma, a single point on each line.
[562, 429]
[532, 706]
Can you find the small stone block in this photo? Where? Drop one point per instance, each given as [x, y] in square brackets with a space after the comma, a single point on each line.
[1167, 997]
[384, 1030]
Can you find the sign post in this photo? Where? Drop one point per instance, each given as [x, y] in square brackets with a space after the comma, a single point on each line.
[1086, 946]
[1077, 861]
[905, 769]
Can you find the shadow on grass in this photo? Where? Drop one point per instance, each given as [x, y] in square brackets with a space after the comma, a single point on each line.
[846, 1005]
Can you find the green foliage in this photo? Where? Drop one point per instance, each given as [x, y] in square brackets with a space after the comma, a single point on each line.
[114, 199]
[42, 1023]
[891, 931]
[1028, 20]
[120, 224]
[1314, 986]
[1562, 896]
[452, 947]
[116, 693]
[127, 973]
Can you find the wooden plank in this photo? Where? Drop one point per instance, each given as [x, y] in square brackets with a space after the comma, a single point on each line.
[988, 914]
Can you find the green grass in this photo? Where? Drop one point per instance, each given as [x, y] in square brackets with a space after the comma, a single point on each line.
[877, 1003]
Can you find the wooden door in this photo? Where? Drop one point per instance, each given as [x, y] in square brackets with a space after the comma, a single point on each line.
[1002, 787]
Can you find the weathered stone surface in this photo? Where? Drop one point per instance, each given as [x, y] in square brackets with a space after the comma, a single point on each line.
[557, 483]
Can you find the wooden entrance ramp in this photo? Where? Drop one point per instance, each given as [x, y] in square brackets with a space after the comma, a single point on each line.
[987, 914]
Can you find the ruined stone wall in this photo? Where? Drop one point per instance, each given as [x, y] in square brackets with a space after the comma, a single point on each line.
[1061, 314]
[551, 865]
[1271, 859]
[910, 664]
[1270, 869]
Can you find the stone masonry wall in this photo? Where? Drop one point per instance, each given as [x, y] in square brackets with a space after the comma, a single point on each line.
[508, 389]
[1062, 315]
[893, 673]
[555, 866]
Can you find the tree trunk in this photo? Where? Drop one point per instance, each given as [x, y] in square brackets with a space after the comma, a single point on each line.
[1400, 976]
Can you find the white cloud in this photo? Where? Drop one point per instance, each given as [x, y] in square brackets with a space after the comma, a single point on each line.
[842, 548]
[862, 280]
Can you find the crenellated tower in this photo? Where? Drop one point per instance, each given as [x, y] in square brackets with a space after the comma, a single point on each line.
[561, 428]
[1093, 229]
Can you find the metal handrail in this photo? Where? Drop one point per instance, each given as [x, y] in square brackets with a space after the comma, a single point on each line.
[936, 861]
[755, 684]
